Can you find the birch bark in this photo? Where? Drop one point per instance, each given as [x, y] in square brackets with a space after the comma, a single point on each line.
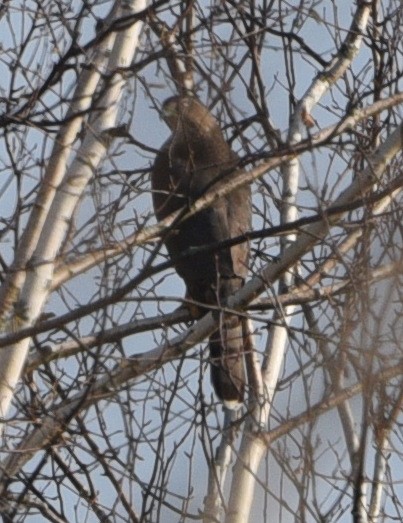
[56, 204]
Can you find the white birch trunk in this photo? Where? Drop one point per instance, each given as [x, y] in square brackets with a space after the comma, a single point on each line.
[55, 172]
[247, 466]
[39, 276]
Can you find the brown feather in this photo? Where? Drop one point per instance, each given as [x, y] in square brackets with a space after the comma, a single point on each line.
[194, 158]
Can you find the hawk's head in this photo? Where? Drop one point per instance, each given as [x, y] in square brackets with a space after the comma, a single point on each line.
[189, 114]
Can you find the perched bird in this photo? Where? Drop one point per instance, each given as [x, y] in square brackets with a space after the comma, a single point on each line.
[193, 159]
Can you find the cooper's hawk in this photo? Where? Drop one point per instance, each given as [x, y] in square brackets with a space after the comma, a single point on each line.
[192, 160]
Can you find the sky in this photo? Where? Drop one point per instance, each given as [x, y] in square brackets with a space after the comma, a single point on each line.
[148, 90]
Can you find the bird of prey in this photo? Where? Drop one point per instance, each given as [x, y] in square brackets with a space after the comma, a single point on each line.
[192, 160]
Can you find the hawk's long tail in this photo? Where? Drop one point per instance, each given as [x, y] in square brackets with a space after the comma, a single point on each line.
[227, 363]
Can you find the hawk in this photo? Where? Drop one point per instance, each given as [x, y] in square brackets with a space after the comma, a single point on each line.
[192, 160]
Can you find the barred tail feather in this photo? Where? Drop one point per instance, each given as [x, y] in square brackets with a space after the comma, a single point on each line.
[227, 365]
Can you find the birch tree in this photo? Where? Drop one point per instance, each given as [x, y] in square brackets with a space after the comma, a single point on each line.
[107, 412]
